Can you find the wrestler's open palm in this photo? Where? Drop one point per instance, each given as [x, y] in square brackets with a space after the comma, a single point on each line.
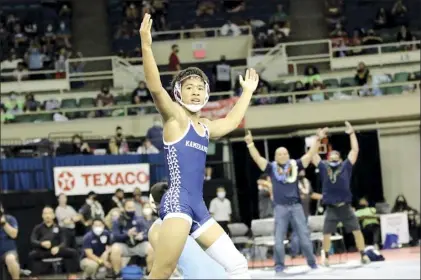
[250, 81]
[145, 30]
[349, 129]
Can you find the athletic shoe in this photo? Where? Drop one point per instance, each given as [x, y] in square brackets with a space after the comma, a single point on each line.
[279, 270]
[313, 266]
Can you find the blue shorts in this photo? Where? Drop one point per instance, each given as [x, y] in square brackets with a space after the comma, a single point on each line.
[180, 204]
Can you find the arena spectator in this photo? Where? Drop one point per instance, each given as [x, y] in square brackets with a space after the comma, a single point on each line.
[113, 148]
[63, 30]
[401, 206]
[299, 86]
[382, 19]
[117, 200]
[147, 148]
[67, 217]
[355, 41]
[222, 75]
[65, 12]
[96, 251]
[371, 38]
[21, 73]
[142, 92]
[404, 35]
[279, 17]
[264, 186]
[92, 209]
[370, 223]
[338, 31]
[230, 29]
[197, 32]
[5, 116]
[130, 234]
[372, 86]
[11, 62]
[205, 7]
[30, 105]
[399, 13]
[159, 8]
[106, 97]
[311, 74]
[362, 74]
[13, 105]
[49, 241]
[8, 250]
[174, 61]
[220, 208]
[122, 31]
[132, 13]
[154, 134]
[60, 65]
[112, 216]
[79, 146]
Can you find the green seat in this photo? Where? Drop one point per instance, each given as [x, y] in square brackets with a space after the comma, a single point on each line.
[123, 102]
[42, 117]
[348, 82]
[86, 102]
[333, 83]
[122, 98]
[389, 49]
[401, 77]
[281, 87]
[69, 103]
[393, 90]
[26, 118]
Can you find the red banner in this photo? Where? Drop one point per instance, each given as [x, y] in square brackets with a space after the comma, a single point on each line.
[219, 109]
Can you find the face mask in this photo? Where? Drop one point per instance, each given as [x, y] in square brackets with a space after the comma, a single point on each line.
[147, 211]
[130, 214]
[119, 134]
[334, 163]
[221, 195]
[98, 230]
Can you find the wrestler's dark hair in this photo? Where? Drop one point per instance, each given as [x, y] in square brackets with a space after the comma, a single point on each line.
[158, 190]
[188, 72]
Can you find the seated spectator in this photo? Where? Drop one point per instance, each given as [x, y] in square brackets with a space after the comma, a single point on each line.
[65, 12]
[21, 73]
[412, 88]
[318, 87]
[96, 251]
[338, 31]
[106, 97]
[370, 223]
[198, 32]
[79, 146]
[60, 65]
[311, 74]
[355, 41]
[67, 217]
[401, 206]
[142, 92]
[112, 216]
[13, 105]
[30, 104]
[382, 19]
[371, 88]
[130, 234]
[117, 200]
[147, 148]
[404, 35]
[11, 62]
[371, 38]
[113, 148]
[92, 209]
[230, 29]
[5, 116]
[205, 8]
[48, 241]
[362, 74]
[280, 17]
[132, 13]
[8, 249]
[154, 134]
[399, 13]
[299, 86]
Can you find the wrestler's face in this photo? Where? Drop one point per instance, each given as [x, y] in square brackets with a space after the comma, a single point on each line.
[193, 91]
[281, 155]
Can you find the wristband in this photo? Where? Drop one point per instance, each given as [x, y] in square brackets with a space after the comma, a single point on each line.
[250, 145]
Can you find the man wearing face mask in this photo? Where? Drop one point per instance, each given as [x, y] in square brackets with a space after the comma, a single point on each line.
[96, 251]
[220, 208]
[105, 96]
[154, 134]
[91, 210]
[283, 173]
[79, 146]
[264, 186]
[119, 135]
[130, 234]
[335, 176]
[117, 201]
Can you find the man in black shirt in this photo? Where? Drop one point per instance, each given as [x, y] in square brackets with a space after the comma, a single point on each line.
[8, 250]
[49, 241]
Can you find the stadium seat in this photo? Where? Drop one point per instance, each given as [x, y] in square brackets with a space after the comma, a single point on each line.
[68, 103]
[331, 83]
[393, 90]
[86, 102]
[348, 82]
[24, 119]
[401, 77]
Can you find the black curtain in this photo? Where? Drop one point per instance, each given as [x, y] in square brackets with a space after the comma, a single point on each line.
[366, 179]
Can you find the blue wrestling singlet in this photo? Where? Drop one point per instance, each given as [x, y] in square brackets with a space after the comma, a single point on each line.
[185, 167]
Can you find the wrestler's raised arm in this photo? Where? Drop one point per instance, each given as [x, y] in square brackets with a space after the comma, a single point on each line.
[162, 100]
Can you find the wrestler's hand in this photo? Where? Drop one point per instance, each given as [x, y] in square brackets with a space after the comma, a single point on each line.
[145, 31]
[248, 138]
[250, 81]
[349, 129]
[322, 132]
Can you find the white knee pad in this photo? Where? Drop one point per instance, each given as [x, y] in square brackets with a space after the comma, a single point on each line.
[224, 252]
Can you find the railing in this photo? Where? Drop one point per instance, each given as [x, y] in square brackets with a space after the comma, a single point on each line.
[288, 97]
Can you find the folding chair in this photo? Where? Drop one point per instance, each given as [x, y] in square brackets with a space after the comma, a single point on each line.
[239, 233]
[263, 234]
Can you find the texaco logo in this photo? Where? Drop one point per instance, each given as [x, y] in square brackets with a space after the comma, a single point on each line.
[66, 181]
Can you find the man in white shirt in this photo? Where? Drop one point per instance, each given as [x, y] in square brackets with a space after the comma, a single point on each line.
[67, 217]
[220, 208]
